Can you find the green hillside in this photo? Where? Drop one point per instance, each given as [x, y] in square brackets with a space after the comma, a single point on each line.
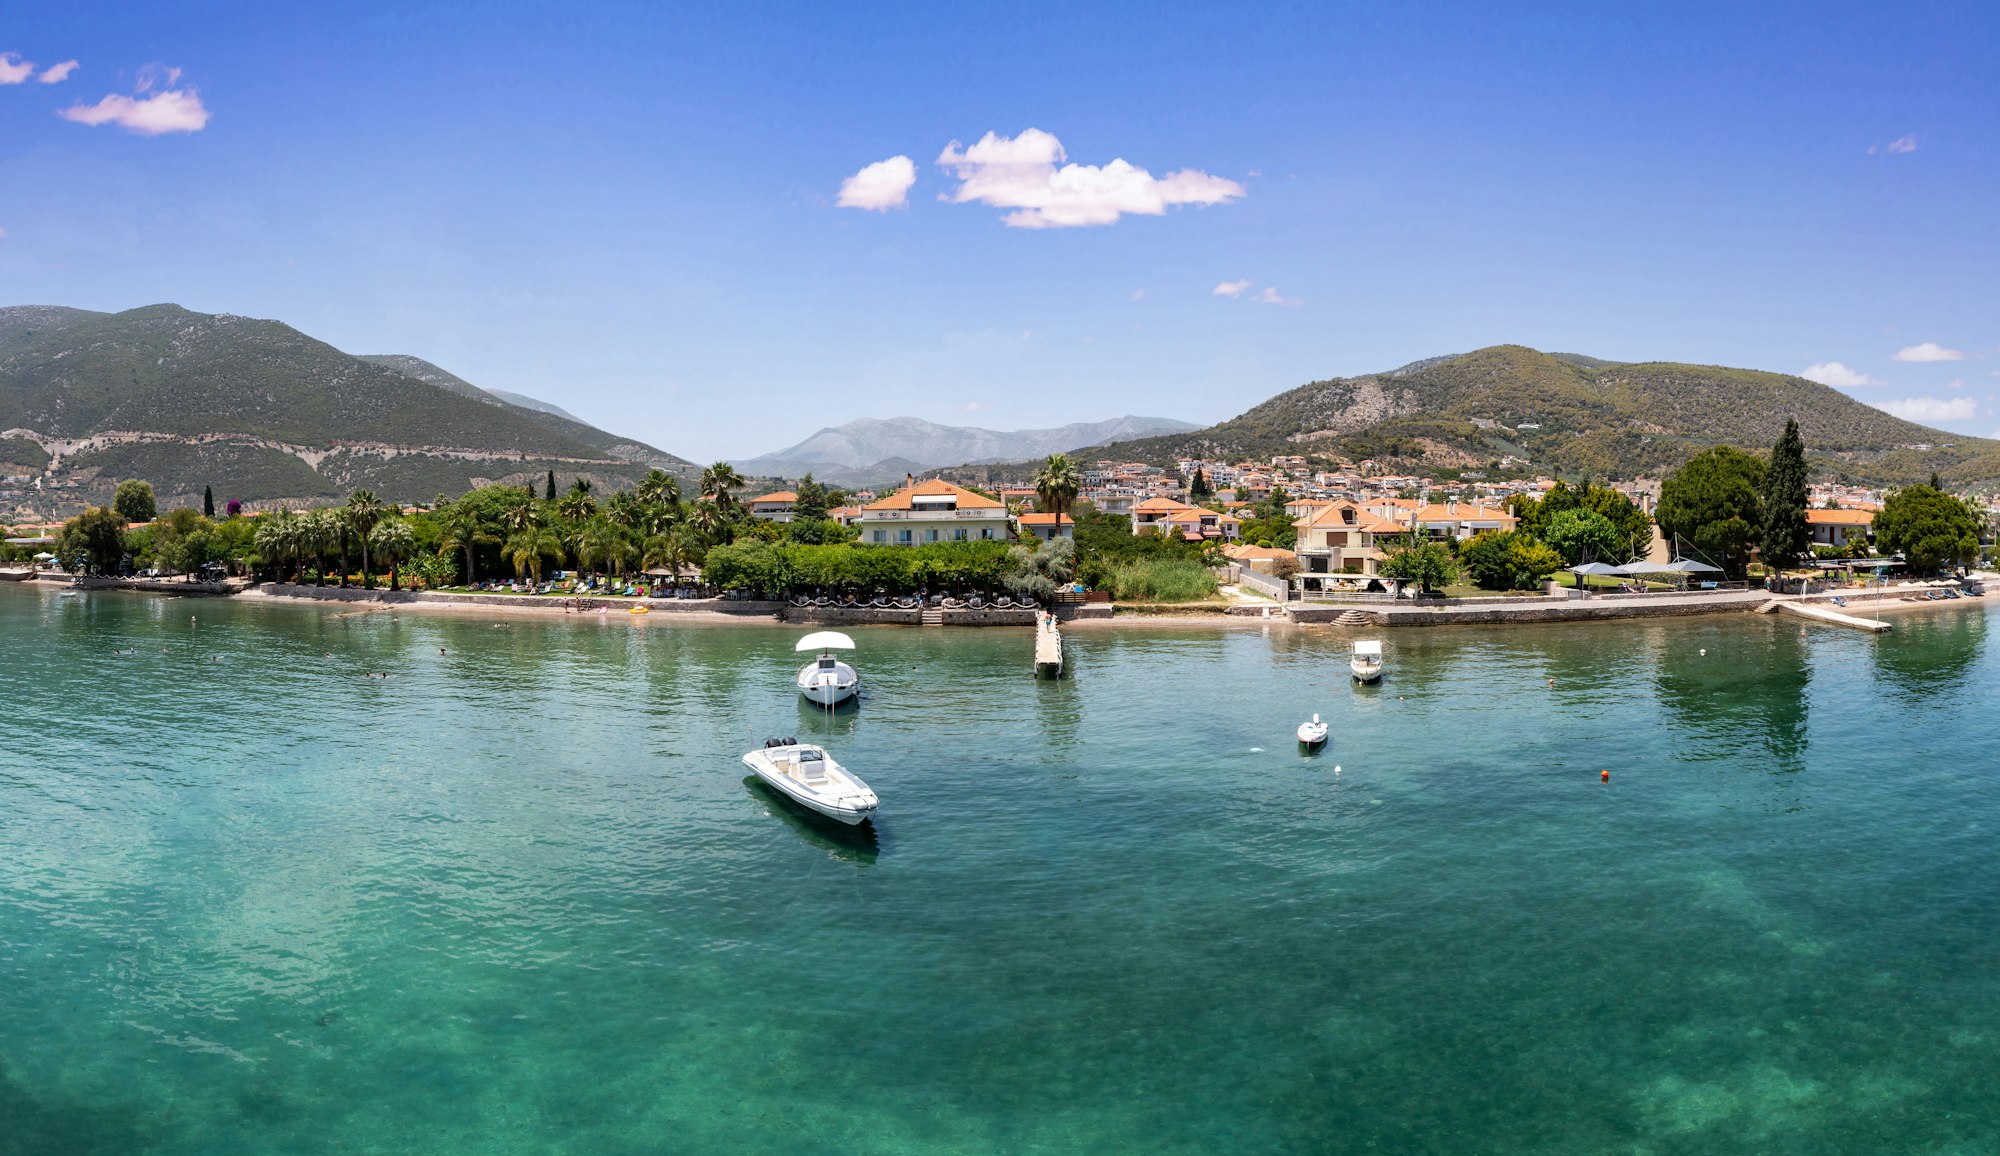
[1572, 414]
[262, 413]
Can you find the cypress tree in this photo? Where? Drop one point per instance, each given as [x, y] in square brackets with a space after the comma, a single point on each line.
[208, 501]
[549, 494]
[1783, 538]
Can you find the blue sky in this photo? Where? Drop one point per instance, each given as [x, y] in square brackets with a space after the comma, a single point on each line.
[634, 212]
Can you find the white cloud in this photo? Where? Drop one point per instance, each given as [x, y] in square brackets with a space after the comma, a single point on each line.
[57, 73]
[1932, 409]
[1928, 351]
[1270, 296]
[1230, 288]
[881, 186]
[1902, 144]
[1020, 173]
[3, 234]
[1835, 374]
[171, 110]
[973, 406]
[14, 70]
[1138, 294]
[1955, 383]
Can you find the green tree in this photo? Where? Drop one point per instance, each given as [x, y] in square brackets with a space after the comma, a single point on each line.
[134, 501]
[1199, 490]
[93, 540]
[548, 490]
[718, 480]
[1712, 502]
[811, 503]
[528, 549]
[1783, 537]
[1929, 527]
[364, 509]
[463, 533]
[392, 541]
[207, 501]
[1581, 535]
[659, 488]
[1057, 484]
[1423, 562]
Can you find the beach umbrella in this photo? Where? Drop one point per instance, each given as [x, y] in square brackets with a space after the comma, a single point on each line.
[1596, 568]
[1649, 568]
[1690, 566]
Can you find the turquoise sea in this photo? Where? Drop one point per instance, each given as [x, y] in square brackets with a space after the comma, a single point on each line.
[518, 897]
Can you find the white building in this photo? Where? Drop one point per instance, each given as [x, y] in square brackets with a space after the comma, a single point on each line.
[933, 511]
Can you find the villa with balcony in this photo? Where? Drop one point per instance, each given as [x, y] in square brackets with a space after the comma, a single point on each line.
[1337, 548]
[934, 511]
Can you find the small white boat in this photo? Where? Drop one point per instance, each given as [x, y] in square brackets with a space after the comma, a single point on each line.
[810, 777]
[1312, 735]
[1366, 662]
[826, 680]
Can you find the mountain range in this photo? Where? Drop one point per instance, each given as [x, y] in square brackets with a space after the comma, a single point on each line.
[870, 451]
[1569, 414]
[262, 413]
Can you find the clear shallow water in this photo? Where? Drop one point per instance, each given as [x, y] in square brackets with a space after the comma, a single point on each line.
[519, 897]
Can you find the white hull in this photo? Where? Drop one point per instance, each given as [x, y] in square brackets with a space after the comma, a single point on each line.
[836, 794]
[828, 685]
[1365, 671]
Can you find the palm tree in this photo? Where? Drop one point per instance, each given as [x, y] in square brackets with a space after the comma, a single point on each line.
[277, 538]
[660, 488]
[522, 516]
[718, 479]
[323, 534]
[658, 518]
[529, 548]
[712, 521]
[577, 505]
[363, 511]
[623, 508]
[392, 541]
[1056, 485]
[462, 532]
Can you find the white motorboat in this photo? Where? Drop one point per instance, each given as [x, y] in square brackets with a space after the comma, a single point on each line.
[1366, 662]
[826, 680]
[810, 777]
[1312, 735]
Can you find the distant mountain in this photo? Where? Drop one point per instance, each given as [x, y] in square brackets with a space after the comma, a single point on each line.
[878, 449]
[1571, 414]
[261, 412]
[534, 403]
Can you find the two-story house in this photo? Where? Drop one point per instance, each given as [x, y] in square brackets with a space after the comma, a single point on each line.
[774, 507]
[1337, 546]
[932, 511]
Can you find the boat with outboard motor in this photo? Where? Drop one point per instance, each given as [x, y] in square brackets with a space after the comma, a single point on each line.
[1366, 662]
[806, 774]
[826, 680]
[1312, 735]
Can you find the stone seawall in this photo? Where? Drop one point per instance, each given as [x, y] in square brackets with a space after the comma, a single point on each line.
[156, 585]
[876, 616]
[745, 608]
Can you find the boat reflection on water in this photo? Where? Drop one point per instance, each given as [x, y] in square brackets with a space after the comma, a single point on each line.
[856, 844]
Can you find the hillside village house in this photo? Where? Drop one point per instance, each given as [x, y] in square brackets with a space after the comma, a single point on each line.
[774, 507]
[1839, 527]
[932, 511]
[1461, 521]
[1337, 547]
[1167, 516]
[1043, 527]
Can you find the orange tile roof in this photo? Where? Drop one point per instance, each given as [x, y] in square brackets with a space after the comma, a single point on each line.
[1045, 520]
[1160, 505]
[780, 496]
[1840, 517]
[1329, 516]
[1248, 553]
[1464, 512]
[936, 487]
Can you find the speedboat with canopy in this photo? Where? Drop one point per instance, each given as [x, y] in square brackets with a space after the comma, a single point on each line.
[826, 680]
[1366, 662]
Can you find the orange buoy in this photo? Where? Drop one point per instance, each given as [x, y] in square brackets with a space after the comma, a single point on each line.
[1604, 776]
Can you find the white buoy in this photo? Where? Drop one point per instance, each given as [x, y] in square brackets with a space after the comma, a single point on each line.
[1336, 768]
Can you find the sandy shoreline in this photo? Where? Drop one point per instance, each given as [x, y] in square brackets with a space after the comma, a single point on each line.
[544, 608]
